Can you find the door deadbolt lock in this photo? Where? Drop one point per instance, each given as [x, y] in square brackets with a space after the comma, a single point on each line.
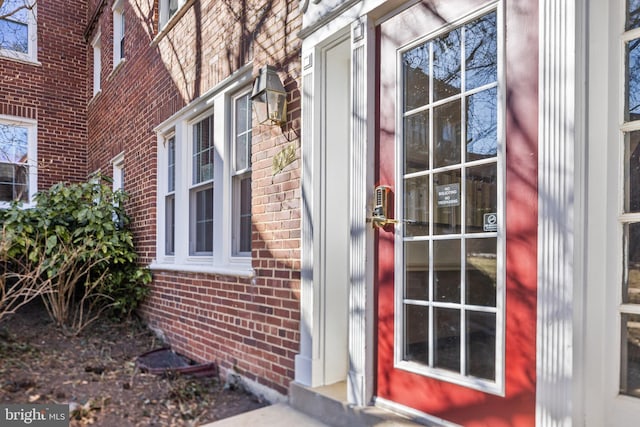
[381, 209]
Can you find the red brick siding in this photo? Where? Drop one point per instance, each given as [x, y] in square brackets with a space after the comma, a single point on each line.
[52, 92]
[251, 325]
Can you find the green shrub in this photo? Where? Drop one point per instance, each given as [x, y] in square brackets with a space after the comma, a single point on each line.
[79, 232]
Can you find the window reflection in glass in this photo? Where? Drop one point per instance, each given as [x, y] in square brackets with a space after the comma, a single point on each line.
[631, 293]
[14, 27]
[416, 265]
[481, 271]
[633, 81]
[633, 14]
[204, 221]
[446, 270]
[203, 151]
[482, 124]
[446, 149]
[416, 330]
[630, 360]
[446, 65]
[416, 77]
[416, 209]
[632, 172]
[447, 336]
[481, 344]
[481, 197]
[416, 142]
[480, 50]
[446, 202]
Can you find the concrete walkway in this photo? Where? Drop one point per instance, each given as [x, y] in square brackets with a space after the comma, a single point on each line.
[278, 415]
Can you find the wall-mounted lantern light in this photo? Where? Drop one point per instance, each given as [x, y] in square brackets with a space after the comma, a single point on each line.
[269, 98]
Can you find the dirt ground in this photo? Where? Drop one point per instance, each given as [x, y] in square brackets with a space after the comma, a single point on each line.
[95, 372]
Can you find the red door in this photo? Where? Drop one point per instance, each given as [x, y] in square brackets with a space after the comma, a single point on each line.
[456, 276]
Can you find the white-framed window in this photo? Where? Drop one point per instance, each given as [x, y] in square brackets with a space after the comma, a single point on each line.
[629, 220]
[18, 29]
[450, 291]
[18, 160]
[168, 8]
[118, 172]
[118, 32]
[96, 44]
[241, 175]
[204, 183]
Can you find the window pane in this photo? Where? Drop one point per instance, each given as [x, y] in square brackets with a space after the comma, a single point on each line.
[482, 124]
[631, 292]
[481, 271]
[416, 347]
[14, 36]
[446, 270]
[633, 14]
[446, 202]
[416, 196]
[171, 165]
[633, 81]
[245, 215]
[203, 206]
[14, 182]
[630, 361]
[446, 122]
[446, 65]
[170, 225]
[415, 64]
[14, 144]
[243, 133]
[481, 344]
[481, 197]
[447, 336]
[416, 142]
[632, 172]
[481, 52]
[416, 267]
[203, 151]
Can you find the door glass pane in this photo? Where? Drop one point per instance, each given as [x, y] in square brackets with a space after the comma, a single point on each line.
[482, 125]
[481, 198]
[446, 201]
[481, 53]
[416, 209]
[415, 65]
[481, 271]
[447, 336]
[416, 142]
[416, 330]
[632, 172]
[630, 360]
[633, 14]
[446, 270]
[633, 81]
[446, 65]
[631, 292]
[481, 344]
[446, 122]
[416, 265]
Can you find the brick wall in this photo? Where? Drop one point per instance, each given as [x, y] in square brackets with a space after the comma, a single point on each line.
[247, 324]
[52, 91]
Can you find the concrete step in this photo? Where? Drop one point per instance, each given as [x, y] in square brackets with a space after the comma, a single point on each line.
[329, 404]
[278, 415]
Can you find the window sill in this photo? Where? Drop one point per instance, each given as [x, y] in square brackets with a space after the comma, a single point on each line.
[19, 57]
[236, 270]
[116, 68]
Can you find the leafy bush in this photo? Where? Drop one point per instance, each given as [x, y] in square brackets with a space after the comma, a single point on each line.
[79, 233]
